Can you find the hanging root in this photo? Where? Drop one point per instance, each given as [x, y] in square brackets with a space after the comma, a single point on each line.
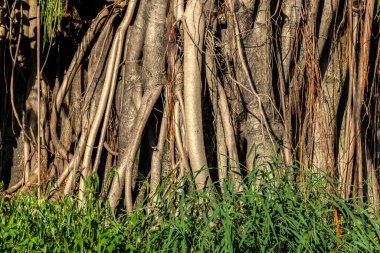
[194, 26]
[145, 73]
[68, 78]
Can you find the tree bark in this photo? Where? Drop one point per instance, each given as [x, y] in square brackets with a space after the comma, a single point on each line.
[194, 26]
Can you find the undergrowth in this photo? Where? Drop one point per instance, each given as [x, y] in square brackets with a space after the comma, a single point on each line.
[270, 214]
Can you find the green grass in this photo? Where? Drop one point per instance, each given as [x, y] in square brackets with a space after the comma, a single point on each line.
[270, 215]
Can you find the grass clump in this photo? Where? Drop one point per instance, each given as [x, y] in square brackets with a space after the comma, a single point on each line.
[270, 214]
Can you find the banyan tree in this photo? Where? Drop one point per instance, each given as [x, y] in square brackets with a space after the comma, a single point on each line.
[135, 91]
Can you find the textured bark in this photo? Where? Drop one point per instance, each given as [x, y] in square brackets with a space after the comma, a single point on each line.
[328, 15]
[221, 147]
[66, 83]
[194, 25]
[225, 135]
[107, 91]
[347, 162]
[362, 82]
[257, 44]
[327, 107]
[128, 156]
[128, 96]
[180, 138]
[297, 79]
[153, 63]
[292, 11]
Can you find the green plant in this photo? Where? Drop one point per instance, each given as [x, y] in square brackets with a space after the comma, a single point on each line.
[51, 12]
[270, 214]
